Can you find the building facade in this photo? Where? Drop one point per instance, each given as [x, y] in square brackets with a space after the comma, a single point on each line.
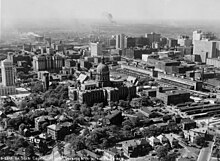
[173, 96]
[51, 63]
[184, 41]
[120, 41]
[153, 37]
[96, 49]
[206, 49]
[7, 73]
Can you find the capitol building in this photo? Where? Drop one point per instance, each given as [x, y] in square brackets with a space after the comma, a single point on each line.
[102, 89]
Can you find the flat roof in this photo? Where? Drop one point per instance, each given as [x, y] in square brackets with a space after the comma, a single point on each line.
[175, 92]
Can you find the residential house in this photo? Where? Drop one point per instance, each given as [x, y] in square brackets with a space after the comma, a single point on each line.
[154, 141]
[88, 155]
[114, 118]
[193, 133]
[59, 131]
[43, 119]
[163, 139]
[188, 124]
[135, 148]
[112, 154]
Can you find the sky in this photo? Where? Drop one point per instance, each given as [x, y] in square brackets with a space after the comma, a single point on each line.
[139, 10]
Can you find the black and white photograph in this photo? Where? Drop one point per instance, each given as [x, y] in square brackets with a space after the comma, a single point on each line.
[109, 80]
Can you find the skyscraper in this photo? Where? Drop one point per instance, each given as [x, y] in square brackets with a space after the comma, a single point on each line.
[7, 73]
[120, 41]
[96, 49]
[197, 35]
[153, 37]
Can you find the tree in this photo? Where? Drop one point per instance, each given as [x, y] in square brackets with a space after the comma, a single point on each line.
[21, 142]
[145, 101]
[8, 110]
[23, 104]
[124, 104]
[43, 147]
[136, 103]
[11, 122]
[21, 75]
[136, 121]
[30, 152]
[37, 87]
[166, 118]
[22, 126]
[78, 143]
[200, 140]
[127, 124]
[127, 134]
[86, 132]
[181, 134]
[76, 106]
[127, 127]
[60, 147]
[86, 111]
[3, 137]
[170, 157]
[70, 76]
[161, 151]
[44, 126]
[105, 143]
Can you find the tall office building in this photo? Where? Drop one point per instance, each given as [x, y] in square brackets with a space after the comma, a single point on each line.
[184, 41]
[206, 49]
[199, 35]
[96, 49]
[171, 43]
[7, 73]
[51, 63]
[7, 86]
[120, 41]
[153, 37]
[129, 42]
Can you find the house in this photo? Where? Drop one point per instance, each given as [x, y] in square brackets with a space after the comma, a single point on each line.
[110, 156]
[21, 152]
[188, 124]
[132, 80]
[59, 131]
[114, 118]
[88, 155]
[177, 119]
[154, 141]
[163, 139]
[135, 148]
[193, 133]
[113, 154]
[43, 119]
[174, 142]
[63, 118]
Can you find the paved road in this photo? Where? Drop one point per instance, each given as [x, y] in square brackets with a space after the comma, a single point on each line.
[182, 144]
[55, 155]
[205, 153]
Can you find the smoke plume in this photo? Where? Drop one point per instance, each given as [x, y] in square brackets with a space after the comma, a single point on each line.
[109, 17]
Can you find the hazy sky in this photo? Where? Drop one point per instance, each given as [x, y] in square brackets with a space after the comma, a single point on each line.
[13, 10]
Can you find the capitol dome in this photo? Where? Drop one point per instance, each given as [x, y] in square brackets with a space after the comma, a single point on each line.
[102, 68]
[102, 74]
